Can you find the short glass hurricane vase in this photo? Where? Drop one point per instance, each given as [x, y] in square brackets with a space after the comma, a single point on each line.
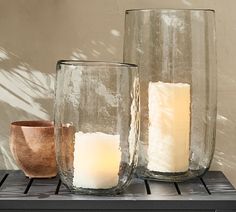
[176, 55]
[96, 125]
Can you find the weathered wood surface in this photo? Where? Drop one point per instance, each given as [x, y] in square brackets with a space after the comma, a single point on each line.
[213, 192]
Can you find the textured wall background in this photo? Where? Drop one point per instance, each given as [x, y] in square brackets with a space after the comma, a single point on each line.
[35, 34]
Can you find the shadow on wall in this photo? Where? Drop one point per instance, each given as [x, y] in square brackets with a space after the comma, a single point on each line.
[25, 94]
[224, 157]
[97, 49]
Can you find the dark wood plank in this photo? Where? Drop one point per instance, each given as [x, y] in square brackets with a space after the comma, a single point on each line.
[113, 210]
[63, 190]
[2, 173]
[225, 211]
[136, 188]
[192, 187]
[217, 183]
[43, 187]
[3, 176]
[163, 197]
[162, 188]
[89, 203]
[14, 185]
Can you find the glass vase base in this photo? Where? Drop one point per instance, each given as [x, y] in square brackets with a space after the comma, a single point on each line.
[96, 192]
[144, 173]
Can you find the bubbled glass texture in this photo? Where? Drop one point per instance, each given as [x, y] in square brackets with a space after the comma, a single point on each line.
[96, 97]
[176, 46]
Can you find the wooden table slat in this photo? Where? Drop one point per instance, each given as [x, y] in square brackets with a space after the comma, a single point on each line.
[192, 187]
[14, 185]
[43, 187]
[163, 196]
[3, 176]
[162, 188]
[136, 188]
[2, 173]
[63, 190]
[216, 182]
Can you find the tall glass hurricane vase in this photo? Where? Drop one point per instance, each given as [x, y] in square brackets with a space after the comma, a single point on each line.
[175, 53]
[96, 125]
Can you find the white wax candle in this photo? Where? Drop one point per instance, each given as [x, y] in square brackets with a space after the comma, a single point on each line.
[97, 159]
[169, 126]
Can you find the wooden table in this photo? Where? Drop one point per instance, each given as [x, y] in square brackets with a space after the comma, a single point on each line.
[213, 192]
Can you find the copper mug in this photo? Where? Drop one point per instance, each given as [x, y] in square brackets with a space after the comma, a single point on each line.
[32, 146]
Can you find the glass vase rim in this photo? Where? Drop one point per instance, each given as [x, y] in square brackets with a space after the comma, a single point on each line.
[170, 9]
[95, 63]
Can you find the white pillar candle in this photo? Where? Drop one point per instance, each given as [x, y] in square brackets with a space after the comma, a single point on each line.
[169, 126]
[97, 159]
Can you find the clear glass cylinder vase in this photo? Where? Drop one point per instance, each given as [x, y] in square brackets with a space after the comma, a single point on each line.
[96, 125]
[176, 55]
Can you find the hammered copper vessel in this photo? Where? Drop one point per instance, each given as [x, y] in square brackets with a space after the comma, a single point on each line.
[33, 148]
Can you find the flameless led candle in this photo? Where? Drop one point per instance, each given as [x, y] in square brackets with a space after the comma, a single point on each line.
[169, 126]
[97, 159]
